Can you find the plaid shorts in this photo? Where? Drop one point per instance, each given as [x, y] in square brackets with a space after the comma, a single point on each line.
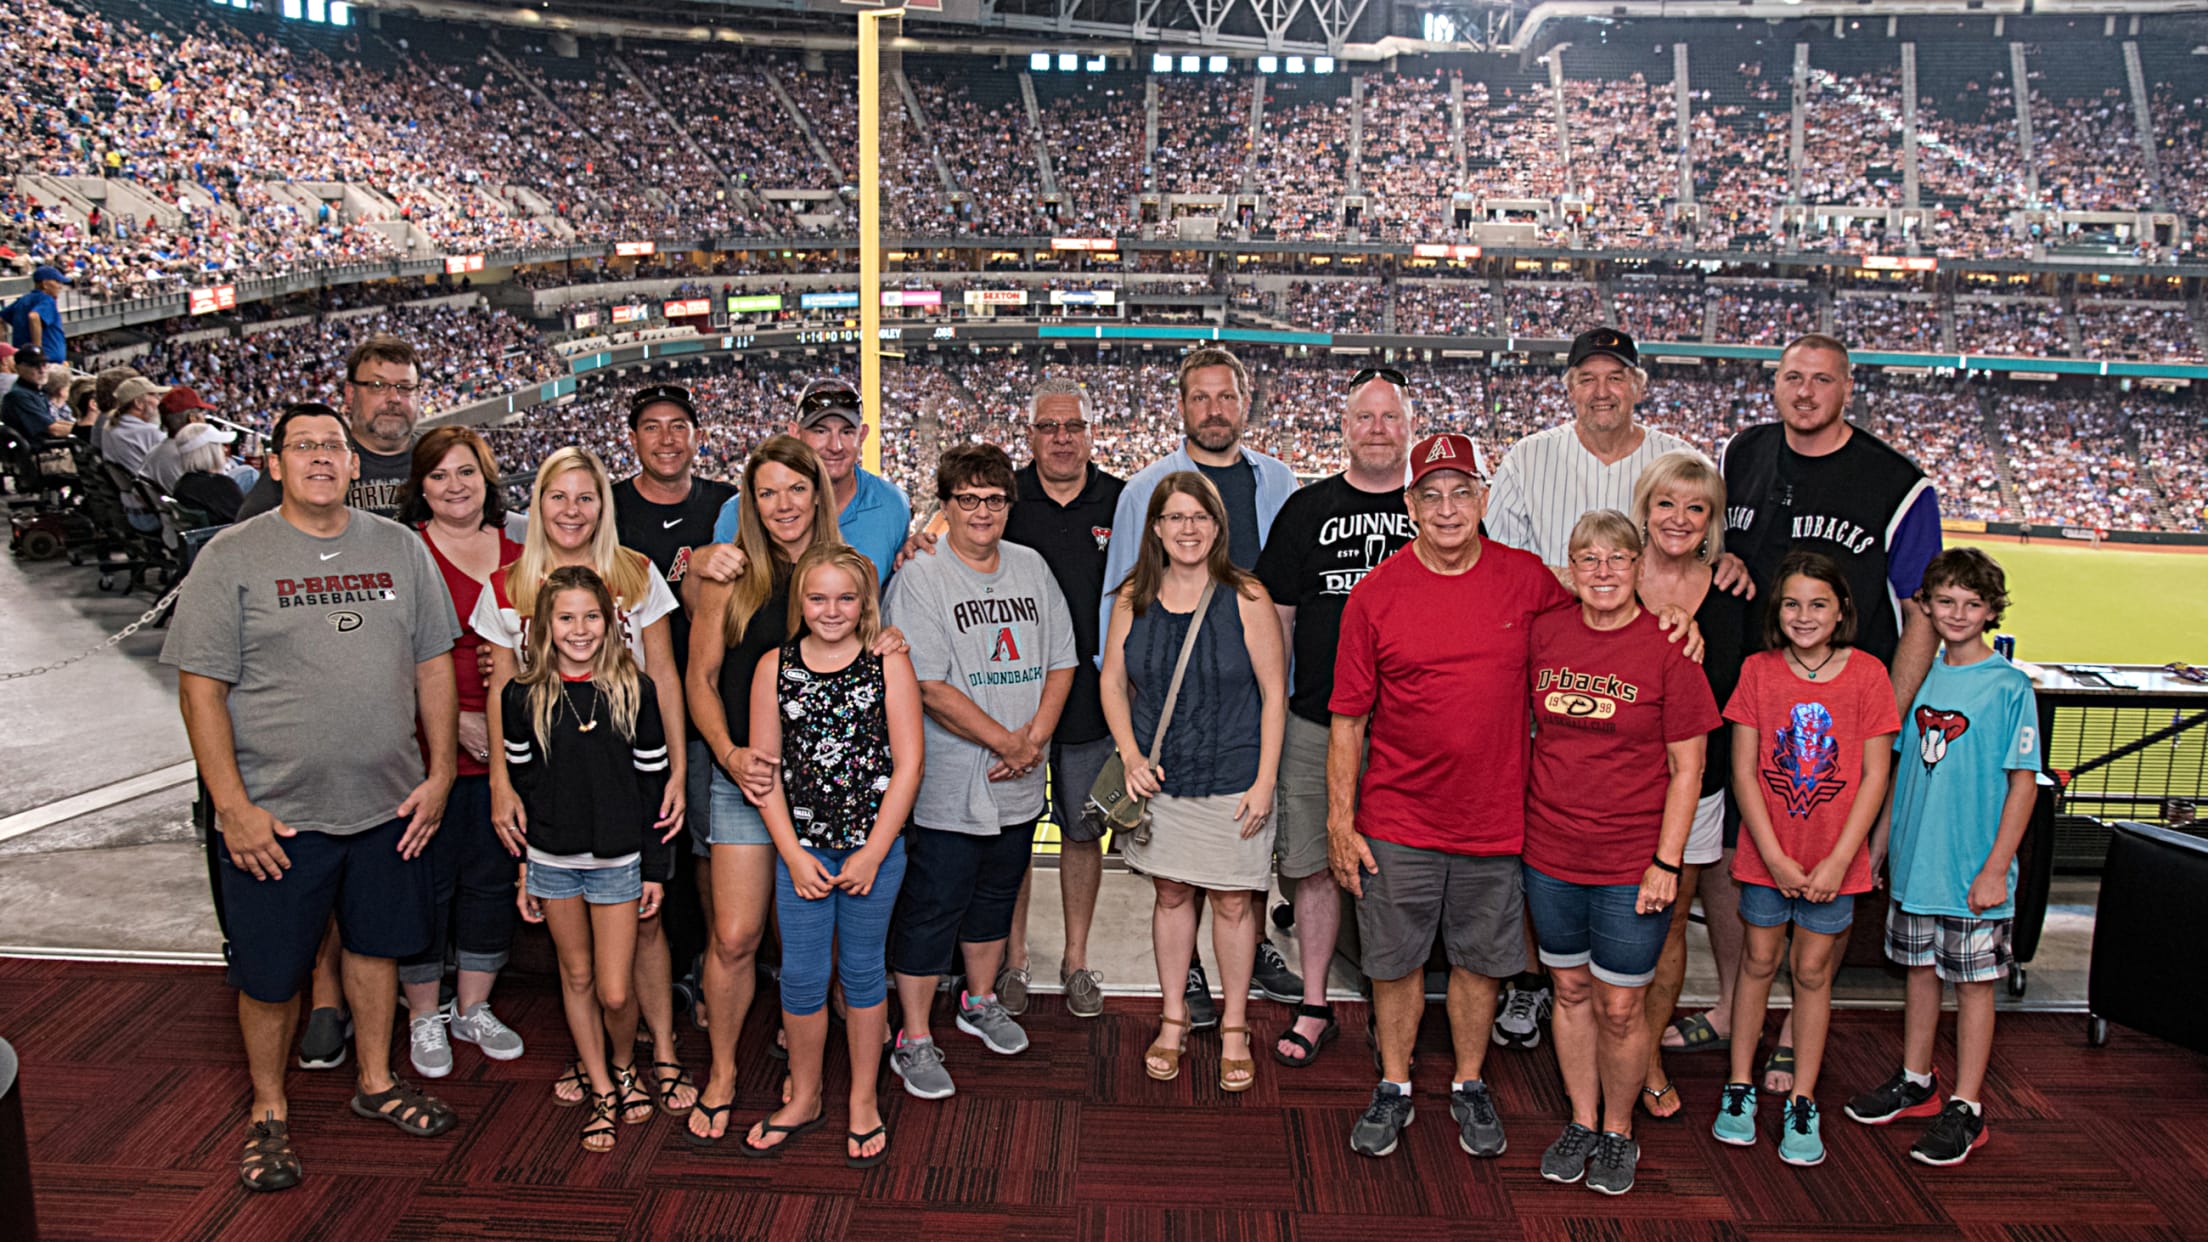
[1959, 950]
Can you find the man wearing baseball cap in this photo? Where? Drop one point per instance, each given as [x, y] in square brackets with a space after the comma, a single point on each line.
[1427, 839]
[180, 410]
[34, 320]
[24, 405]
[873, 512]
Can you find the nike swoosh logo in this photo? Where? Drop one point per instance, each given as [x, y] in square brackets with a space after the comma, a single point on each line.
[328, 555]
[670, 525]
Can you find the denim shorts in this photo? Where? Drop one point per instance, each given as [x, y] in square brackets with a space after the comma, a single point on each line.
[731, 818]
[597, 886]
[1764, 906]
[1596, 926]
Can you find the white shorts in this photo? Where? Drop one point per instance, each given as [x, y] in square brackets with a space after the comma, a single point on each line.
[1706, 840]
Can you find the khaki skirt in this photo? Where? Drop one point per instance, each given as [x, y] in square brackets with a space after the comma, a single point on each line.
[1196, 841]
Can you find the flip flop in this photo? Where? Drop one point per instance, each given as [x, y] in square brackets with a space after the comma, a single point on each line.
[1781, 1061]
[1670, 1089]
[711, 1113]
[789, 1135]
[861, 1140]
[1697, 1035]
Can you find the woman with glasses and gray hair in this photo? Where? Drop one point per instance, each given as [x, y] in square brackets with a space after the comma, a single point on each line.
[1620, 717]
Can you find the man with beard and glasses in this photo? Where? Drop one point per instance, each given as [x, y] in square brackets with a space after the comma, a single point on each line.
[1328, 537]
[1214, 390]
[383, 400]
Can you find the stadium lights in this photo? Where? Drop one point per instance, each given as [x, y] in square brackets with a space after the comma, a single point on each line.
[1068, 62]
[1268, 64]
[1295, 64]
[1217, 64]
[1192, 64]
[1097, 64]
[1039, 62]
[1322, 64]
[1161, 62]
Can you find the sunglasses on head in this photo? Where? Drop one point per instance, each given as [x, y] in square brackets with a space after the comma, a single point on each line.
[1389, 374]
[828, 397]
[659, 392]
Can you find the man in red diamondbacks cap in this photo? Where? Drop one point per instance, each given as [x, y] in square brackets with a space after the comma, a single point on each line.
[1432, 666]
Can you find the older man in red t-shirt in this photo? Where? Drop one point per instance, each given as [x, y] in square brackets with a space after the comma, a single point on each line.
[1433, 666]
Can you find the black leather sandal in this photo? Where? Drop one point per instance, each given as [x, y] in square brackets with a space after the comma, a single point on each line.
[269, 1164]
[1310, 1046]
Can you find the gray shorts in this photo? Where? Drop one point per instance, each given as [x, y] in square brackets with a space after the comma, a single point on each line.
[1478, 905]
[1299, 801]
[1073, 769]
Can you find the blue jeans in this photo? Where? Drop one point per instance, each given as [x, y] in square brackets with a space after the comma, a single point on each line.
[1596, 926]
[1764, 906]
[841, 934]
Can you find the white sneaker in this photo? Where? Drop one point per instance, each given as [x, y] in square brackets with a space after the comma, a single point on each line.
[432, 1051]
[481, 1027]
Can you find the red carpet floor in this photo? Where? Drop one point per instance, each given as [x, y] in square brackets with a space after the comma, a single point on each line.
[134, 1091]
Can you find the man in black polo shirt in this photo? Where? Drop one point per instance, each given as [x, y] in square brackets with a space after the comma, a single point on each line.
[667, 513]
[1328, 537]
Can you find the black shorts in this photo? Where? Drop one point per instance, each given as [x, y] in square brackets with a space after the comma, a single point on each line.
[959, 889]
[384, 907]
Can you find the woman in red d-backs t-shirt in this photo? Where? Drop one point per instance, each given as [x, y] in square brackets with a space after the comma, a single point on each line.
[1621, 721]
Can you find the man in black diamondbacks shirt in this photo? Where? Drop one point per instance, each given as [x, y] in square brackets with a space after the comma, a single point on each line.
[666, 512]
[382, 401]
[1328, 536]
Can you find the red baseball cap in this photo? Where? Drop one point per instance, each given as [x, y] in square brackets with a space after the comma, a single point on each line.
[181, 399]
[1450, 450]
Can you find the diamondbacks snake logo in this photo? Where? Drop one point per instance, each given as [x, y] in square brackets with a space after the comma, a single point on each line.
[1937, 728]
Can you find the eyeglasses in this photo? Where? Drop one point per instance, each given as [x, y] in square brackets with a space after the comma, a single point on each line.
[335, 448]
[1618, 561]
[829, 396]
[1389, 374]
[1193, 521]
[1071, 427]
[968, 501]
[376, 388]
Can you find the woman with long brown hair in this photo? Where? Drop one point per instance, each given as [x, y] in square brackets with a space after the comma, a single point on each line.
[1211, 791]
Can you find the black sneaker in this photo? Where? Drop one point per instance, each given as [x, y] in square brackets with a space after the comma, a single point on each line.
[323, 1044]
[1611, 1171]
[1273, 977]
[1894, 1098]
[1566, 1159]
[1380, 1127]
[1479, 1129]
[1951, 1136]
[1203, 1012]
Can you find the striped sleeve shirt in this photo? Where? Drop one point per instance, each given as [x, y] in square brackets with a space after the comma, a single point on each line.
[1549, 479]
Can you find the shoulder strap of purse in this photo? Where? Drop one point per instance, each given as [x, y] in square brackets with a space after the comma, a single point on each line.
[1180, 667]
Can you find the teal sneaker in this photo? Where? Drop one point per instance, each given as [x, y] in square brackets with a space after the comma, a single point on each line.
[1799, 1142]
[1736, 1115]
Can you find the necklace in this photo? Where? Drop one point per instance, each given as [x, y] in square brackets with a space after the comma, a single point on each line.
[581, 725]
[1807, 671]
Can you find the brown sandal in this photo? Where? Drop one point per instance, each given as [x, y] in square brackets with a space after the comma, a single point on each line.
[416, 1112]
[600, 1126]
[269, 1164]
[1170, 1055]
[1246, 1066]
[581, 1081]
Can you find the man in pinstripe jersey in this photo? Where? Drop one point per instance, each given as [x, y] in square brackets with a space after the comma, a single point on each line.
[1544, 484]
[1549, 479]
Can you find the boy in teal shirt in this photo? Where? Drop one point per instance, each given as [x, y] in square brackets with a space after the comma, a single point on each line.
[1963, 791]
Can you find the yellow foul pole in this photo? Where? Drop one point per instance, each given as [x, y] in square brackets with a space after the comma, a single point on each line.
[870, 226]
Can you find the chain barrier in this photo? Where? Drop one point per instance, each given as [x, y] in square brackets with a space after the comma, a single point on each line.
[144, 619]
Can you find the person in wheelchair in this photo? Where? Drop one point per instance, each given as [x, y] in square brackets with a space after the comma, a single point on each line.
[25, 406]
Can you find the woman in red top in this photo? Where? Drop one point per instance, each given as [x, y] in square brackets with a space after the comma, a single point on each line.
[453, 497]
[1621, 720]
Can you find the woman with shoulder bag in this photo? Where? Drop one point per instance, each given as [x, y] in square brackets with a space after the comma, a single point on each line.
[1195, 692]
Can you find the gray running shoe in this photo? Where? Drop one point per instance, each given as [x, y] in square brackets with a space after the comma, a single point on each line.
[1012, 989]
[1479, 1129]
[432, 1052]
[1084, 992]
[1611, 1171]
[1518, 1021]
[920, 1063]
[323, 1044]
[1273, 978]
[1203, 1011]
[988, 1021]
[1380, 1127]
[481, 1027]
[1566, 1159]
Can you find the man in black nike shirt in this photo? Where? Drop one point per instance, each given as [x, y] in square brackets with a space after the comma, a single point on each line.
[666, 512]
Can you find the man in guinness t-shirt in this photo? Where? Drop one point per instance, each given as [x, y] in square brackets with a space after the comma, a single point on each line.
[1327, 537]
[383, 401]
[667, 513]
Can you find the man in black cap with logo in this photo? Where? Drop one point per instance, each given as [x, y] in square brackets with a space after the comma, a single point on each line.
[1543, 486]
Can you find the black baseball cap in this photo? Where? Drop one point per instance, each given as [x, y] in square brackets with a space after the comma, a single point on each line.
[661, 394]
[1611, 342]
[828, 397]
